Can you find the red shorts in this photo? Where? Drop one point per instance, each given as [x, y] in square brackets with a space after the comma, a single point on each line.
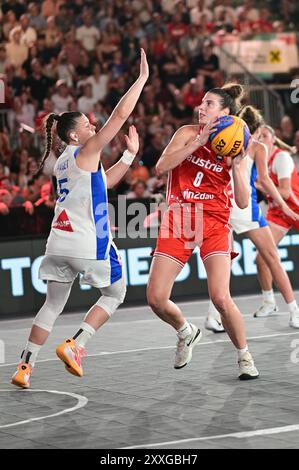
[277, 217]
[182, 230]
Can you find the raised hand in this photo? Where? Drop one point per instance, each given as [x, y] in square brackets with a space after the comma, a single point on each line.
[238, 158]
[132, 140]
[144, 69]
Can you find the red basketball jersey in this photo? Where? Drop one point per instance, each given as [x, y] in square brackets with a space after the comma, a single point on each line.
[293, 200]
[201, 178]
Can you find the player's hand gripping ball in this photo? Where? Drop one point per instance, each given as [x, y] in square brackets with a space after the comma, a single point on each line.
[231, 135]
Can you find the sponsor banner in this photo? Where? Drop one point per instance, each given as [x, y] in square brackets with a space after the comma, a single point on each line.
[23, 293]
[276, 53]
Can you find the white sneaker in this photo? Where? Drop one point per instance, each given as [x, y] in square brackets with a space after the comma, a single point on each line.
[267, 309]
[183, 354]
[294, 319]
[214, 325]
[247, 369]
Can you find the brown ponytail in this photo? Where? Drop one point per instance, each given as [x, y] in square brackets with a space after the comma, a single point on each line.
[49, 121]
[231, 95]
[66, 122]
[252, 117]
[235, 90]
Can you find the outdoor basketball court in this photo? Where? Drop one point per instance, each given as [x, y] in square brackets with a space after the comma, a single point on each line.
[132, 397]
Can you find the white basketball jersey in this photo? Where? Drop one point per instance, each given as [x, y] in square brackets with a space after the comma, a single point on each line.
[252, 212]
[80, 226]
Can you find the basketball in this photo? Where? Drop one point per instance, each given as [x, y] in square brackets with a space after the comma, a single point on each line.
[231, 135]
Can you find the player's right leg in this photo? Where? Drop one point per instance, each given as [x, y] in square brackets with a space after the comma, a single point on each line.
[163, 273]
[107, 276]
[270, 267]
[57, 295]
[218, 275]
[72, 349]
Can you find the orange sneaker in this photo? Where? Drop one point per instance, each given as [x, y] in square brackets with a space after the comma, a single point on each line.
[71, 355]
[21, 377]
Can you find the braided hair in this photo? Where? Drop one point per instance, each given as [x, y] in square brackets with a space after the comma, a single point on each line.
[66, 122]
[50, 119]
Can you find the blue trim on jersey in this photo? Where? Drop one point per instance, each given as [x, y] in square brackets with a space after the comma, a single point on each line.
[247, 136]
[255, 208]
[262, 221]
[100, 212]
[116, 269]
[76, 151]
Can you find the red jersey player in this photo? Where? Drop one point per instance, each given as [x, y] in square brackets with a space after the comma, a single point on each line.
[283, 173]
[198, 214]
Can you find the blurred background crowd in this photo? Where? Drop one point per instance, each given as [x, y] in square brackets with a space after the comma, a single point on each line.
[61, 55]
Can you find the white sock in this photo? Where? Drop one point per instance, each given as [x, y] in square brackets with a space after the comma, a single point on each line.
[30, 353]
[292, 306]
[268, 296]
[213, 312]
[241, 352]
[84, 333]
[185, 330]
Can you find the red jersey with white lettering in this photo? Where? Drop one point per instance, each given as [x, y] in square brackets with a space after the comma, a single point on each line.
[204, 178]
[293, 200]
[203, 181]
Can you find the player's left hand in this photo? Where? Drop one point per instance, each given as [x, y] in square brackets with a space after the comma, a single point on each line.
[236, 161]
[132, 140]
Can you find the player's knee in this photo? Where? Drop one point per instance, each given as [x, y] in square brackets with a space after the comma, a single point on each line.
[156, 300]
[221, 301]
[47, 316]
[113, 296]
[271, 257]
[259, 261]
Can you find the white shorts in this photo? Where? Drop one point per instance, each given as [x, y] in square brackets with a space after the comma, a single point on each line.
[242, 226]
[95, 273]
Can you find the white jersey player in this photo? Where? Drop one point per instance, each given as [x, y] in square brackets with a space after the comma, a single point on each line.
[252, 222]
[80, 240]
[81, 213]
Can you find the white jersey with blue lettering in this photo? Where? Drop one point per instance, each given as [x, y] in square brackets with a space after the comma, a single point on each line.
[80, 227]
[250, 218]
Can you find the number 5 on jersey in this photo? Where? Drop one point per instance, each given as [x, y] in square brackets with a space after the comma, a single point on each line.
[62, 190]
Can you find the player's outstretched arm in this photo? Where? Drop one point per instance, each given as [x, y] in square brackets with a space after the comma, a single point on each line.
[89, 154]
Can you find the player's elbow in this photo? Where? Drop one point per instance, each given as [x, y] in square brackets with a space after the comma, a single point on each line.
[242, 205]
[120, 114]
[160, 168]
[242, 202]
[285, 193]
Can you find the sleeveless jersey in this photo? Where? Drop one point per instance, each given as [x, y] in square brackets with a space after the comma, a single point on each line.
[293, 200]
[253, 212]
[201, 178]
[80, 226]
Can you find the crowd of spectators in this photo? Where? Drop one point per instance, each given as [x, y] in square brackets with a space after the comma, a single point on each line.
[65, 55]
